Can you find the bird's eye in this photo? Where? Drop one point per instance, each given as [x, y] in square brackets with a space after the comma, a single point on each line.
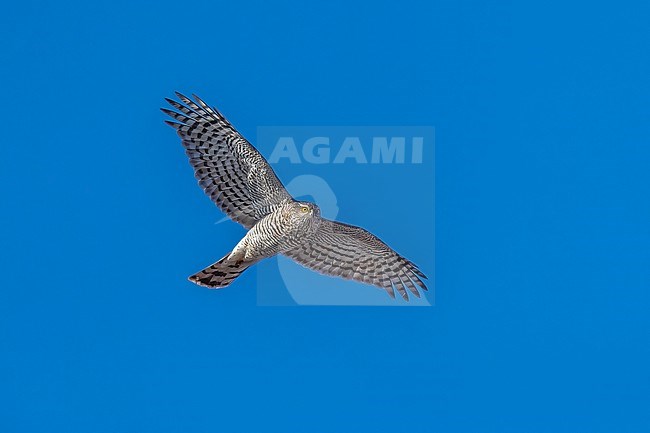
[304, 209]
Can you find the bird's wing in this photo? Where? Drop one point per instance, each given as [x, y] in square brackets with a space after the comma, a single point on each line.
[353, 253]
[229, 169]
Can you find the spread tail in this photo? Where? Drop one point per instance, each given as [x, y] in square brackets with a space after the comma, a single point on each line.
[220, 274]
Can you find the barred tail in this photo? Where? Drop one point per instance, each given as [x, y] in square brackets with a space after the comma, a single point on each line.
[220, 274]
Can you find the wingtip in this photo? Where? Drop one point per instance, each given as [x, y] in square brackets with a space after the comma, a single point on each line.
[168, 112]
[198, 99]
[415, 269]
[183, 98]
[173, 124]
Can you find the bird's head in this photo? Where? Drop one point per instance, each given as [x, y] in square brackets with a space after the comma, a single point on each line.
[306, 210]
[304, 216]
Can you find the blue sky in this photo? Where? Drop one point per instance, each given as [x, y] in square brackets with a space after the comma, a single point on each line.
[541, 219]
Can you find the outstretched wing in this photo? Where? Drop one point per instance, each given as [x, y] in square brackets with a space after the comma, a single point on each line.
[351, 252]
[229, 169]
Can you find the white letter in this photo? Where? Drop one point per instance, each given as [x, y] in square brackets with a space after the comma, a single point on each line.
[382, 152]
[285, 148]
[416, 157]
[322, 154]
[351, 148]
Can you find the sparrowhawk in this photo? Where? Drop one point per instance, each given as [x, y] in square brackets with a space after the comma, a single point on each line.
[244, 186]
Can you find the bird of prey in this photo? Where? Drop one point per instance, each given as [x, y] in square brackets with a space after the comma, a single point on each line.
[244, 186]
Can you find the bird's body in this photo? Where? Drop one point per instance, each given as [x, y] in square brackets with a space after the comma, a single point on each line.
[240, 181]
[285, 228]
[281, 230]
